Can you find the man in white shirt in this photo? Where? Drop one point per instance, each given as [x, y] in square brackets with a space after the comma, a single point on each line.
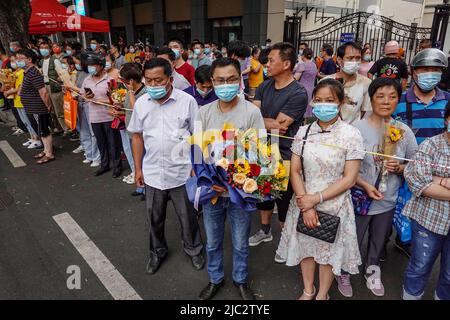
[179, 82]
[162, 120]
[356, 86]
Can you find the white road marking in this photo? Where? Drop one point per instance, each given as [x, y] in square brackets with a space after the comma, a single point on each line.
[109, 276]
[16, 161]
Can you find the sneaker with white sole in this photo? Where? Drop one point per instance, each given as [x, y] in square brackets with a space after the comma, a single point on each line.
[129, 179]
[18, 132]
[26, 144]
[87, 161]
[373, 280]
[279, 259]
[95, 164]
[80, 149]
[259, 238]
[344, 285]
[35, 145]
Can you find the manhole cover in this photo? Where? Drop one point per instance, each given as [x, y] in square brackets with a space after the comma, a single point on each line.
[6, 200]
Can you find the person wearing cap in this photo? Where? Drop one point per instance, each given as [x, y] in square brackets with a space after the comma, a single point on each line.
[390, 66]
[94, 89]
[422, 107]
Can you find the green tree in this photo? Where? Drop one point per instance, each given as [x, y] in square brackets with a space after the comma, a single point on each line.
[14, 18]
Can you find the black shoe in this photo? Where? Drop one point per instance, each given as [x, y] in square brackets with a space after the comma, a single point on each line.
[117, 172]
[154, 263]
[210, 291]
[245, 292]
[198, 262]
[403, 247]
[101, 171]
[74, 137]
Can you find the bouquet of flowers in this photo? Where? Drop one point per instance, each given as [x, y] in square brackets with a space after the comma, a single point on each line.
[392, 134]
[244, 163]
[116, 92]
[7, 79]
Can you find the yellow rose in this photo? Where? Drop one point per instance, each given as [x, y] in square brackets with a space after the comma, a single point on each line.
[239, 178]
[223, 163]
[280, 171]
[250, 186]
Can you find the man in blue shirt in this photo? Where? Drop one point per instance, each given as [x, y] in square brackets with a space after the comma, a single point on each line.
[422, 107]
[202, 91]
[328, 66]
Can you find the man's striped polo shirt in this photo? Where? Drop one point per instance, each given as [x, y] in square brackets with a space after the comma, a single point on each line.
[427, 120]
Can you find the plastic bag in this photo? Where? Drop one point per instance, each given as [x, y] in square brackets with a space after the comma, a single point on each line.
[401, 223]
[70, 111]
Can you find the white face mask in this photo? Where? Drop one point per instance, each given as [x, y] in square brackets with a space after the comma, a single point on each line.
[351, 67]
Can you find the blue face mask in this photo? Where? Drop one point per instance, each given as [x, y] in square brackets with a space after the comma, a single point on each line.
[448, 128]
[21, 64]
[428, 80]
[14, 65]
[78, 67]
[69, 52]
[44, 52]
[11, 49]
[203, 93]
[207, 50]
[108, 65]
[325, 112]
[156, 93]
[197, 52]
[227, 92]
[92, 70]
[265, 72]
[177, 53]
[93, 46]
[64, 66]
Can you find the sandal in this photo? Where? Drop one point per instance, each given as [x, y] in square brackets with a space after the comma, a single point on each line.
[39, 155]
[45, 159]
[309, 295]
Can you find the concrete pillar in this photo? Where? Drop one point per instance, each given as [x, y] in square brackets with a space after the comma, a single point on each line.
[107, 13]
[254, 22]
[275, 20]
[159, 22]
[199, 20]
[129, 27]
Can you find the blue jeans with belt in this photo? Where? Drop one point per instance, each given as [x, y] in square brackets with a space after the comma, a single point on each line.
[126, 144]
[426, 247]
[214, 219]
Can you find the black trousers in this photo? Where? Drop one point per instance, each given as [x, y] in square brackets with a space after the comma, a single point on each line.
[109, 144]
[156, 213]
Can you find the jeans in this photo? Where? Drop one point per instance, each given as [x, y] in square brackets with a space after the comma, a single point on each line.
[87, 138]
[126, 144]
[23, 116]
[214, 220]
[426, 247]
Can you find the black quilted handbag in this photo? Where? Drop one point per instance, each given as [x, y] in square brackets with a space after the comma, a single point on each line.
[327, 230]
[329, 224]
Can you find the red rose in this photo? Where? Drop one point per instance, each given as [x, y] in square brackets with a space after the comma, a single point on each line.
[267, 187]
[255, 170]
[228, 134]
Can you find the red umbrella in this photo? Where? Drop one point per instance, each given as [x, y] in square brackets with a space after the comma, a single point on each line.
[49, 17]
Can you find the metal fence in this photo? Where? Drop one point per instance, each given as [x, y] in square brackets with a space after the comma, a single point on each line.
[363, 27]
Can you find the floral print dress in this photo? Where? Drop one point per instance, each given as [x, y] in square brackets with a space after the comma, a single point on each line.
[324, 166]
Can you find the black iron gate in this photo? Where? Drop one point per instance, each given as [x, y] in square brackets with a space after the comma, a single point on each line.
[365, 27]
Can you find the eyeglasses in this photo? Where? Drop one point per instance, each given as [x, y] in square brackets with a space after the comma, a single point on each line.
[221, 81]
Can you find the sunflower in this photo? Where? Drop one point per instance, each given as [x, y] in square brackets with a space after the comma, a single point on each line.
[242, 166]
[394, 134]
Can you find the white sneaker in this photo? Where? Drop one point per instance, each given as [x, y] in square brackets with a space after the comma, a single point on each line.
[80, 149]
[87, 161]
[18, 132]
[95, 164]
[129, 179]
[35, 145]
[26, 144]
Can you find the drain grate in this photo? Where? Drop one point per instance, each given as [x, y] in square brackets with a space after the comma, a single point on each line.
[6, 200]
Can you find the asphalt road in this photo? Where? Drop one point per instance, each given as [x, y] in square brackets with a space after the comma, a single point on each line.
[35, 253]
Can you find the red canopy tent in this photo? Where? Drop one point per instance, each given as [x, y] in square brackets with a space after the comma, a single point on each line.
[49, 17]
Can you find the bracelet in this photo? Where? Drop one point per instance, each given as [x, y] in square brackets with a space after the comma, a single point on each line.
[321, 197]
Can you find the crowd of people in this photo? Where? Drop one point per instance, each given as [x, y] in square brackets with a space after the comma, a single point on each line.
[344, 97]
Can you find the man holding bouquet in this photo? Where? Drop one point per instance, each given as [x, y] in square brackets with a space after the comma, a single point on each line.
[242, 115]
